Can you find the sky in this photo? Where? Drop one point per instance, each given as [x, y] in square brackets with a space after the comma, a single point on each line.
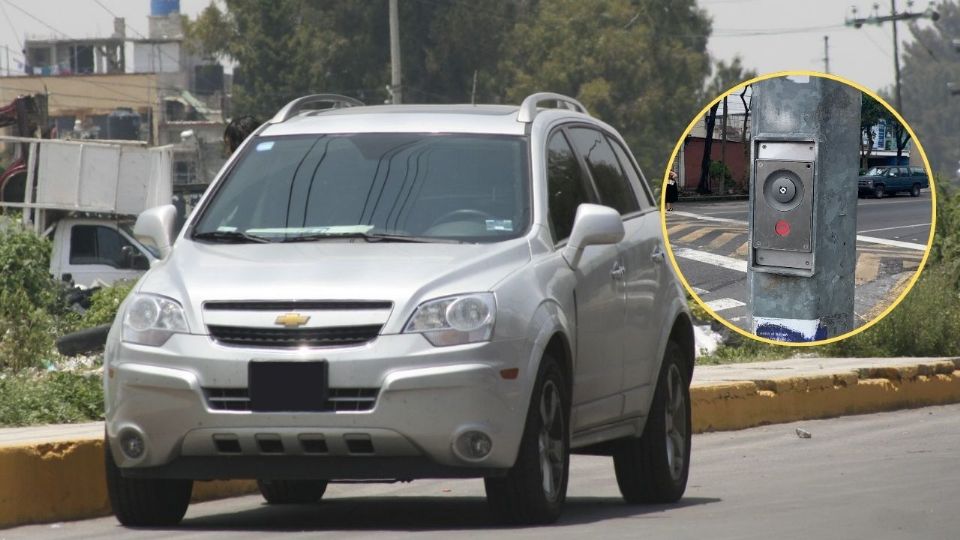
[769, 35]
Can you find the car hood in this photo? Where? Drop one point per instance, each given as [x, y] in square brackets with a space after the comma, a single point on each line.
[405, 274]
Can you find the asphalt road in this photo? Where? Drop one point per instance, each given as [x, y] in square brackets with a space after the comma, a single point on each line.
[888, 475]
[881, 268]
[899, 217]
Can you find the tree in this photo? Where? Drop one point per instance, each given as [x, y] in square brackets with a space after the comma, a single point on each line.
[929, 64]
[871, 113]
[725, 77]
[637, 65]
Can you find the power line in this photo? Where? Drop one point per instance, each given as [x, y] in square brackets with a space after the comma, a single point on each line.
[13, 30]
[34, 17]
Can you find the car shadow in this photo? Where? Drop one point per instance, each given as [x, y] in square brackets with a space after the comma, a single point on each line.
[413, 514]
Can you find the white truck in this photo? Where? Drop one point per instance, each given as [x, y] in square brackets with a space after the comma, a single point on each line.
[86, 195]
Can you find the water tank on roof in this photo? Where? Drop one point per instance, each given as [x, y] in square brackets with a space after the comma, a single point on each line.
[162, 8]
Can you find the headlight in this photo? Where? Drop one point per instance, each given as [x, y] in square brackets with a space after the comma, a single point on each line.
[151, 320]
[455, 320]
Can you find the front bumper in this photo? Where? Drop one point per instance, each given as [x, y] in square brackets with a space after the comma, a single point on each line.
[425, 397]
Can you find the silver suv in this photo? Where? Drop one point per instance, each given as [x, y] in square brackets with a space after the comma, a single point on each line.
[402, 292]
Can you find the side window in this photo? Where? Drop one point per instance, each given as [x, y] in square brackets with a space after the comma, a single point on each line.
[565, 185]
[640, 185]
[614, 190]
[95, 244]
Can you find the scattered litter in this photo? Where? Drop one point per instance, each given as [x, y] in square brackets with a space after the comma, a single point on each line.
[446, 490]
[707, 339]
[803, 434]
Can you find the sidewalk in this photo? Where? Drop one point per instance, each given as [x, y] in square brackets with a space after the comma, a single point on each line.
[55, 473]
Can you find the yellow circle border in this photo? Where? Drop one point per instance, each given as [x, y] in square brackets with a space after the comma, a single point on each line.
[933, 209]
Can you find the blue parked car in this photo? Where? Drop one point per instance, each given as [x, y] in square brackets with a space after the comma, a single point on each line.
[881, 181]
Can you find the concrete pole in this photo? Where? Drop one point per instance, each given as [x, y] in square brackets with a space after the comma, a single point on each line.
[803, 209]
[396, 89]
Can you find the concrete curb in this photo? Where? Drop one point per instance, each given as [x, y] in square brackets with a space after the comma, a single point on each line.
[64, 480]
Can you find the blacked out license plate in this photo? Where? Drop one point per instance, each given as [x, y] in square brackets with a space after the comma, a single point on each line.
[283, 386]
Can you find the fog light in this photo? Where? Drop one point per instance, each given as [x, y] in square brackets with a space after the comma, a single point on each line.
[473, 445]
[132, 445]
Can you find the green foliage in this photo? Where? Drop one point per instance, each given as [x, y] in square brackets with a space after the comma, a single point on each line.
[25, 265]
[741, 350]
[924, 324]
[26, 331]
[726, 76]
[30, 398]
[719, 172]
[104, 304]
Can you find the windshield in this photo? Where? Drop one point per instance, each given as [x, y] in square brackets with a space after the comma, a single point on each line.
[877, 171]
[427, 186]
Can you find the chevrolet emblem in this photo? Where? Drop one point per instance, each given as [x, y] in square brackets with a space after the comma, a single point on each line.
[292, 320]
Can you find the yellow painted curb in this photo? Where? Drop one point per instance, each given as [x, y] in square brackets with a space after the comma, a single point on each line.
[60, 481]
[730, 406]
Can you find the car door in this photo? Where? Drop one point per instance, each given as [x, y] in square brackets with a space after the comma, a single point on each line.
[599, 293]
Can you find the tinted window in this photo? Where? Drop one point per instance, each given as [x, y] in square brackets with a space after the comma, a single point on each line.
[566, 186]
[468, 187]
[95, 244]
[639, 183]
[614, 190]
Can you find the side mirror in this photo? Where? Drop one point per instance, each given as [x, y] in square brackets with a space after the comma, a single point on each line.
[594, 225]
[155, 227]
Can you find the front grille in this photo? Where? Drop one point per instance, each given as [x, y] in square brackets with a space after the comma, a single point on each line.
[294, 305]
[338, 399]
[285, 338]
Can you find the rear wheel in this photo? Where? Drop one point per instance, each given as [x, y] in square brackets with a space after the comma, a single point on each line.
[878, 192]
[654, 468]
[915, 190]
[292, 491]
[145, 502]
[534, 489]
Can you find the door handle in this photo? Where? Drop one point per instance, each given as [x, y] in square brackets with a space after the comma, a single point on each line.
[657, 255]
[618, 271]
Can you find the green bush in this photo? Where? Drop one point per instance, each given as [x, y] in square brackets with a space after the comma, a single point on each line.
[25, 265]
[104, 304]
[31, 398]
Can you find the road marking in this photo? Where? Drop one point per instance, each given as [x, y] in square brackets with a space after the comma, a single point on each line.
[886, 242]
[675, 228]
[868, 267]
[900, 227]
[694, 236]
[708, 218]
[699, 291]
[711, 258]
[743, 249]
[719, 241]
[724, 303]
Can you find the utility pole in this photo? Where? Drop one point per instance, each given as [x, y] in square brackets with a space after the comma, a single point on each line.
[803, 215]
[878, 19]
[826, 54]
[396, 89]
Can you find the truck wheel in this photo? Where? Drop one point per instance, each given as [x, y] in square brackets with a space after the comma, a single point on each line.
[292, 491]
[534, 489]
[654, 468]
[915, 190]
[145, 502]
[878, 192]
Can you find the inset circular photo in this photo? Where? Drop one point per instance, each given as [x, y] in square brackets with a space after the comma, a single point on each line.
[799, 208]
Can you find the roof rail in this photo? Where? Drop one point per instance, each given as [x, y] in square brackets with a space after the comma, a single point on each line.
[528, 109]
[291, 109]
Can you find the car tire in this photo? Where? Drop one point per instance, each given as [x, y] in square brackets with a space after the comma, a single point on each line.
[525, 496]
[915, 190]
[145, 502]
[654, 468]
[292, 491]
[878, 192]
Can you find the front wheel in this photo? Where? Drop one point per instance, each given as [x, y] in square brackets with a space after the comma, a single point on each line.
[878, 192]
[654, 468]
[915, 190]
[145, 502]
[535, 487]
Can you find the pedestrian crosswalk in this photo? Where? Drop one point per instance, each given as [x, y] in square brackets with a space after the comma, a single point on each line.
[722, 244]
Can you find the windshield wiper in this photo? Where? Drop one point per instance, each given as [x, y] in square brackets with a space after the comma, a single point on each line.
[237, 237]
[369, 237]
